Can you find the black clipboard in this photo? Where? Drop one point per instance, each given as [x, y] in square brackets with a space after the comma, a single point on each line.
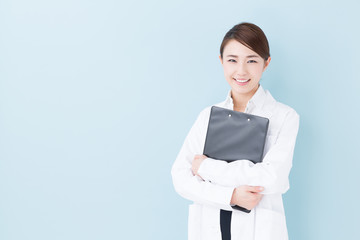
[233, 135]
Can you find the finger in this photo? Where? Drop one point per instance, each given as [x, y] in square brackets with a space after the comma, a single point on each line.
[255, 189]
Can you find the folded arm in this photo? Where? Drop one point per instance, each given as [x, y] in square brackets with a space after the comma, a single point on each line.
[272, 173]
[191, 186]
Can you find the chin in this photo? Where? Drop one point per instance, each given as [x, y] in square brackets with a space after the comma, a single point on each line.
[244, 89]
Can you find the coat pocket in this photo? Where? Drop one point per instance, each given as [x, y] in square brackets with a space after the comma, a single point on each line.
[194, 222]
[270, 225]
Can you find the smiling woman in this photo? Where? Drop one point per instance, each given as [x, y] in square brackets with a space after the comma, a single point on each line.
[243, 69]
[222, 192]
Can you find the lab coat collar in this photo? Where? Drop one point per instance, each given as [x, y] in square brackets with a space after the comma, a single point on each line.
[257, 99]
[261, 103]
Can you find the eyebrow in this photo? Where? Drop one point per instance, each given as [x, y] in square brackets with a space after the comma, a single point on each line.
[249, 56]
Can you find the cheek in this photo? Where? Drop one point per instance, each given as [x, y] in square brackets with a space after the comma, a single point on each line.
[256, 71]
[228, 70]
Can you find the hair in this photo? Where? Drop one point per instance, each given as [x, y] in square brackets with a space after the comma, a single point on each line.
[249, 35]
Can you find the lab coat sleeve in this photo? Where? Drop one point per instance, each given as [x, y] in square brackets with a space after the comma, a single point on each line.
[272, 173]
[192, 187]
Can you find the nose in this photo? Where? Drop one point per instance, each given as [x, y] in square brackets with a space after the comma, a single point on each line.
[241, 69]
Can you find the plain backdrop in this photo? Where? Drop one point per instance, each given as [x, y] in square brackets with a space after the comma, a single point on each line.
[96, 98]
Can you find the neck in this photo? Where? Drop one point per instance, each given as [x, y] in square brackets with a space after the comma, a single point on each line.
[240, 100]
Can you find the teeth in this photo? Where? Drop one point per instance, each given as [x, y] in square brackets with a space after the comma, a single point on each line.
[242, 81]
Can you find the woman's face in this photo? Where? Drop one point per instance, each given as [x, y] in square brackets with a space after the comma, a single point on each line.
[242, 68]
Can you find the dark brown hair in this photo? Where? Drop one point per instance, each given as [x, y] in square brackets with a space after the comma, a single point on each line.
[249, 35]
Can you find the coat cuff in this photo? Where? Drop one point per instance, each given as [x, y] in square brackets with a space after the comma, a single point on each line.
[206, 169]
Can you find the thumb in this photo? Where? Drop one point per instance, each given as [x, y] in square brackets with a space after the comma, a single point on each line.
[255, 189]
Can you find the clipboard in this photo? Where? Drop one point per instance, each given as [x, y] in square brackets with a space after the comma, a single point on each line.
[233, 135]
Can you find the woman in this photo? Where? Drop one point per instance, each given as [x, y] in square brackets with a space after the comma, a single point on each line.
[215, 186]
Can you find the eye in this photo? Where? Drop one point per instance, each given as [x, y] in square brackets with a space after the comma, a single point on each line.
[252, 61]
[231, 60]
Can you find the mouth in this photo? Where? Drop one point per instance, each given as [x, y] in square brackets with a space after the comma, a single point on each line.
[241, 81]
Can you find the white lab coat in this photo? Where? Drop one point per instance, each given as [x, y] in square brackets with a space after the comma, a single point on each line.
[267, 220]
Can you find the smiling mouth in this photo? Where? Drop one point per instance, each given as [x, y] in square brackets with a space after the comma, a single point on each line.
[242, 80]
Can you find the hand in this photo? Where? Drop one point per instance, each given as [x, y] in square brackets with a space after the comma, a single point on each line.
[247, 196]
[198, 159]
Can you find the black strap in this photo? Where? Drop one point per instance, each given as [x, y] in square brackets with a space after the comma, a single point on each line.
[225, 224]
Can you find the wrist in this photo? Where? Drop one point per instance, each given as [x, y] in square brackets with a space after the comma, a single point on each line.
[233, 198]
[199, 166]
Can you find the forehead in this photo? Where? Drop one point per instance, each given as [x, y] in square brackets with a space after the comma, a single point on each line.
[233, 47]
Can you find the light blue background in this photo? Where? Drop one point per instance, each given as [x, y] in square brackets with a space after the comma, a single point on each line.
[96, 98]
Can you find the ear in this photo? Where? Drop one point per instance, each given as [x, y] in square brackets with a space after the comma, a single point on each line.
[220, 59]
[266, 63]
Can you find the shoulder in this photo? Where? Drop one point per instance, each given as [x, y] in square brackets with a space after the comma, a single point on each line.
[286, 110]
[204, 114]
[280, 114]
[279, 108]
